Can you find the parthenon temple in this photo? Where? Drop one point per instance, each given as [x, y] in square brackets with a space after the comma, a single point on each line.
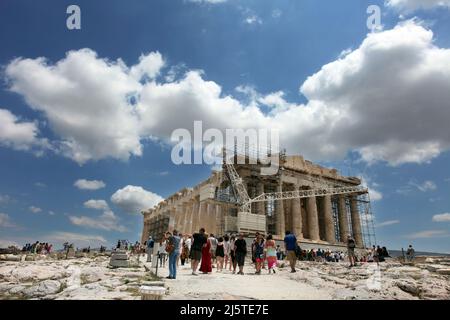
[317, 204]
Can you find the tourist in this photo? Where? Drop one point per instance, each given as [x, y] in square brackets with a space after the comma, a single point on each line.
[206, 264]
[220, 254]
[162, 254]
[213, 242]
[199, 240]
[271, 253]
[290, 243]
[184, 253]
[233, 253]
[188, 243]
[410, 253]
[226, 250]
[180, 249]
[380, 254]
[259, 253]
[279, 253]
[351, 250]
[253, 246]
[173, 244]
[150, 245]
[240, 247]
[385, 252]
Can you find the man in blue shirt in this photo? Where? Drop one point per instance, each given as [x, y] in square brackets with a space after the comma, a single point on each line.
[150, 245]
[174, 241]
[290, 244]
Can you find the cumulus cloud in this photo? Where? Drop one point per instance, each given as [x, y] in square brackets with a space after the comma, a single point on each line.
[134, 199]
[388, 100]
[84, 184]
[17, 134]
[106, 221]
[5, 221]
[96, 204]
[34, 209]
[444, 217]
[408, 6]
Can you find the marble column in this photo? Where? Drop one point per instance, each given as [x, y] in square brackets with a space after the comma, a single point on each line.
[280, 226]
[195, 216]
[202, 216]
[356, 221]
[328, 220]
[188, 228]
[211, 218]
[261, 206]
[313, 219]
[219, 220]
[297, 217]
[343, 220]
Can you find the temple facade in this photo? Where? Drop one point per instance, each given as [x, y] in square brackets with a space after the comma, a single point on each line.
[212, 204]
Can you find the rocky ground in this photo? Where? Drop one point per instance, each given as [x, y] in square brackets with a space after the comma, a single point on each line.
[90, 277]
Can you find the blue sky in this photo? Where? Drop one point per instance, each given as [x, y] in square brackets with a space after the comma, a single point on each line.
[267, 57]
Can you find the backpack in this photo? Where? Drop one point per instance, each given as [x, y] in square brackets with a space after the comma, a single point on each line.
[351, 244]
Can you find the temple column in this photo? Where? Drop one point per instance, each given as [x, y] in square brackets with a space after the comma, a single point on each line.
[202, 216]
[195, 216]
[261, 206]
[328, 220]
[211, 218]
[343, 220]
[219, 220]
[356, 221]
[188, 228]
[280, 227]
[313, 218]
[296, 213]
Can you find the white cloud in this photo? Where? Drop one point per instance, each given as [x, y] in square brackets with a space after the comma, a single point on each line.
[408, 6]
[4, 199]
[134, 199]
[8, 243]
[426, 186]
[276, 13]
[52, 213]
[444, 217]
[5, 221]
[253, 19]
[84, 184]
[79, 240]
[367, 182]
[40, 184]
[429, 234]
[35, 209]
[96, 204]
[412, 185]
[17, 134]
[387, 223]
[107, 221]
[387, 99]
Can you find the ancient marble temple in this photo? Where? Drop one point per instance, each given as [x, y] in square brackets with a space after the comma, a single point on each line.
[212, 204]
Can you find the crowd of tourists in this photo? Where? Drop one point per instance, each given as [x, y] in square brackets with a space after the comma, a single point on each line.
[38, 248]
[229, 252]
